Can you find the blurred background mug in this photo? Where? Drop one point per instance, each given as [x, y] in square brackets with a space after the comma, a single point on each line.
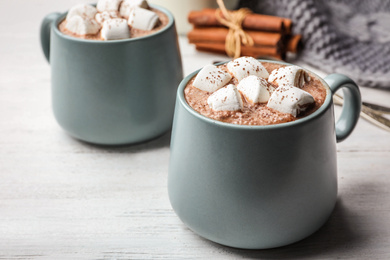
[258, 187]
[113, 92]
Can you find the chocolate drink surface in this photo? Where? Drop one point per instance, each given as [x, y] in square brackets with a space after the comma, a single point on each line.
[134, 33]
[113, 20]
[254, 113]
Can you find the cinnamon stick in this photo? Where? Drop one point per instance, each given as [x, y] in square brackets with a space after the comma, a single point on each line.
[245, 50]
[207, 17]
[287, 25]
[218, 34]
[293, 43]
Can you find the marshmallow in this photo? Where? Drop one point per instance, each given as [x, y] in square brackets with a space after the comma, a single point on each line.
[127, 5]
[108, 5]
[115, 29]
[290, 99]
[211, 78]
[106, 15]
[255, 89]
[246, 66]
[85, 11]
[227, 98]
[289, 75]
[142, 19]
[82, 26]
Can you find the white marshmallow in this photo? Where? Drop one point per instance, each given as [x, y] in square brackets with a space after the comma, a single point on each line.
[246, 66]
[106, 15]
[227, 98]
[83, 10]
[127, 5]
[82, 26]
[115, 29]
[142, 19]
[289, 75]
[211, 78]
[290, 99]
[108, 5]
[255, 89]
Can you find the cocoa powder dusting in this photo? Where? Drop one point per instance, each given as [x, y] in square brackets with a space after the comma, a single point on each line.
[253, 114]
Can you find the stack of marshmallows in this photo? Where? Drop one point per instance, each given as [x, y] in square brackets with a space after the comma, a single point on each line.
[112, 18]
[287, 97]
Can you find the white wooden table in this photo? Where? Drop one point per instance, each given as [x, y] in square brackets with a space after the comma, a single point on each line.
[62, 198]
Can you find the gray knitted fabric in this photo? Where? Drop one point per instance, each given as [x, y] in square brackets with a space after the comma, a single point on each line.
[346, 36]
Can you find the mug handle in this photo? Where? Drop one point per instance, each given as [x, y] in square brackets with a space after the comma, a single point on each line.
[351, 106]
[45, 33]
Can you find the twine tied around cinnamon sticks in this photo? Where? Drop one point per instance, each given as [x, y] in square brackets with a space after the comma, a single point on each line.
[236, 35]
[272, 36]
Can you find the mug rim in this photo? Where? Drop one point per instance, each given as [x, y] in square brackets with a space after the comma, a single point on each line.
[71, 38]
[306, 119]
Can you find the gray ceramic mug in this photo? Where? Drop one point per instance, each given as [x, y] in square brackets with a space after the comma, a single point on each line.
[258, 187]
[113, 92]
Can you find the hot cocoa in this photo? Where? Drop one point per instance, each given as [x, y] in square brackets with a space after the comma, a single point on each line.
[113, 20]
[248, 92]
